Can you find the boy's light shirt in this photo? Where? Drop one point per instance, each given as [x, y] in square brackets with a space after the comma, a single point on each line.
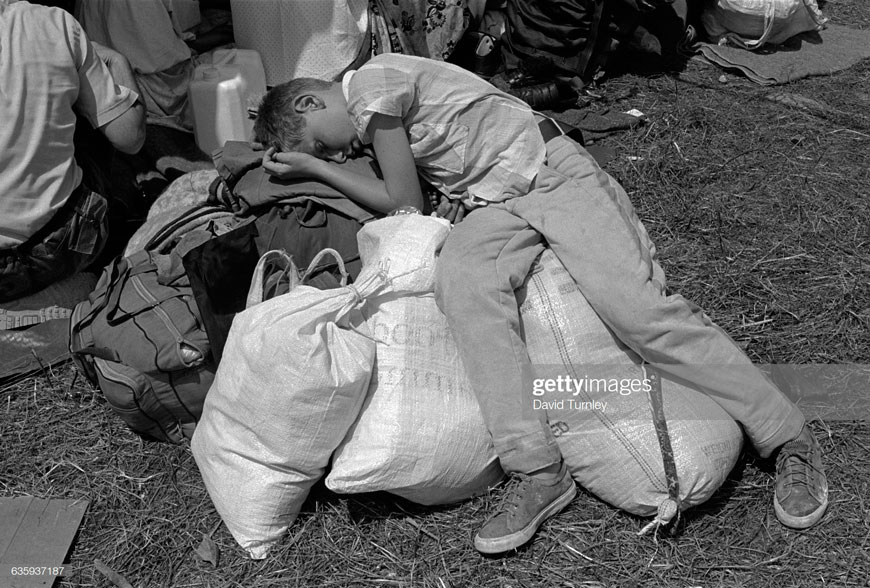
[469, 139]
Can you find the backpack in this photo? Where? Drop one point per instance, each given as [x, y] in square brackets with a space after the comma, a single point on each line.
[143, 344]
[579, 49]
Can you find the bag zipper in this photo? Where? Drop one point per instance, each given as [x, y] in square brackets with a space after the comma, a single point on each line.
[170, 326]
[113, 375]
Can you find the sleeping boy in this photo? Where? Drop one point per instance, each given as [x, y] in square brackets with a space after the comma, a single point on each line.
[524, 186]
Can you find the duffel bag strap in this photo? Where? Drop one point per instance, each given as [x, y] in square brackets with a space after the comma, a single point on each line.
[115, 274]
[101, 352]
[137, 264]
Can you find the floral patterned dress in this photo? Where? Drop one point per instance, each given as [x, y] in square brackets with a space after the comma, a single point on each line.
[427, 28]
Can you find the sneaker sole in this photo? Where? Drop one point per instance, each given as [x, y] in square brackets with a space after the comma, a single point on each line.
[804, 522]
[514, 540]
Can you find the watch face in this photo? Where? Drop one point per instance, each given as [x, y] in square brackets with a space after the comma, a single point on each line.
[484, 46]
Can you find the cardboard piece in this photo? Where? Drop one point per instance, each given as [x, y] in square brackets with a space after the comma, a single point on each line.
[35, 537]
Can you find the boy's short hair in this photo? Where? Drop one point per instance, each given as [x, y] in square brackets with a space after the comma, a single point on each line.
[278, 124]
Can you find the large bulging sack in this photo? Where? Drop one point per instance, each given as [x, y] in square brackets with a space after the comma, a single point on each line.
[420, 433]
[594, 391]
[293, 377]
[753, 23]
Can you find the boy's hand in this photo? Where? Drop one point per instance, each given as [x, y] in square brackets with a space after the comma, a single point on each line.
[289, 165]
[452, 210]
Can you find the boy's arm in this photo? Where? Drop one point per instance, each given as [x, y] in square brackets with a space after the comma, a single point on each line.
[396, 160]
[400, 186]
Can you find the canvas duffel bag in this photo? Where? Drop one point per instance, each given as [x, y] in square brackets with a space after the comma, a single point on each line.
[143, 344]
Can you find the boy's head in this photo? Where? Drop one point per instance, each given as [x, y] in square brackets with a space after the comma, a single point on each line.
[307, 115]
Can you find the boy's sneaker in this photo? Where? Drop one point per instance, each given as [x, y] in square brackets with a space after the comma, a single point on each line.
[526, 503]
[801, 495]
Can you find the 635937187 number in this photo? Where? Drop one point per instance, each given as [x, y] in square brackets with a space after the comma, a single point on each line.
[36, 570]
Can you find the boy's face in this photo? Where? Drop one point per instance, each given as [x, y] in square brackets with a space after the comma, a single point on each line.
[329, 134]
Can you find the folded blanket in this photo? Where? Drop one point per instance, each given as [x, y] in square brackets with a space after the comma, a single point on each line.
[809, 54]
[249, 187]
[185, 194]
[46, 342]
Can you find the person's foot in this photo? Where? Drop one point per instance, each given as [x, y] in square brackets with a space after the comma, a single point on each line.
[801, 495]
[526, 503]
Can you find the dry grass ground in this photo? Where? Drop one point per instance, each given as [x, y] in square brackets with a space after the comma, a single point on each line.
[761, 214]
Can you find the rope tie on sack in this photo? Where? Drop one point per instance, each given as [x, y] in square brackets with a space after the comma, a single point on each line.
[357, 298]
[670, 508]
[368, 283]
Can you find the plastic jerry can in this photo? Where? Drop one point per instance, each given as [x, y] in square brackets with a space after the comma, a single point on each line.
[220, 93]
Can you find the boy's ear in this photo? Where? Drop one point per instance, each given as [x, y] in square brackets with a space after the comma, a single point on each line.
[305, 102]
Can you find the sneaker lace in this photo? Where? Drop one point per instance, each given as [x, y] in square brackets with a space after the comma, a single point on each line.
[512, 492]
[797, 459]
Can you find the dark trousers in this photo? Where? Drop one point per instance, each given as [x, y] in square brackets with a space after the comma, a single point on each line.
[69, 243]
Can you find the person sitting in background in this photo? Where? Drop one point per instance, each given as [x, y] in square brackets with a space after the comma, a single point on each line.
[51, 224]
[143, 31]
[526, 186]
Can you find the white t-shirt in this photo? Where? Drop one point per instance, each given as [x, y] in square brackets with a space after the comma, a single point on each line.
[47, 68]
[469, 139]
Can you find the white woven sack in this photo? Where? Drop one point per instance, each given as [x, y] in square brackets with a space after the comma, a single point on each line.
[420, 434]
[407, 246]
[752, 23]
[293, 377]
[607, 436]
